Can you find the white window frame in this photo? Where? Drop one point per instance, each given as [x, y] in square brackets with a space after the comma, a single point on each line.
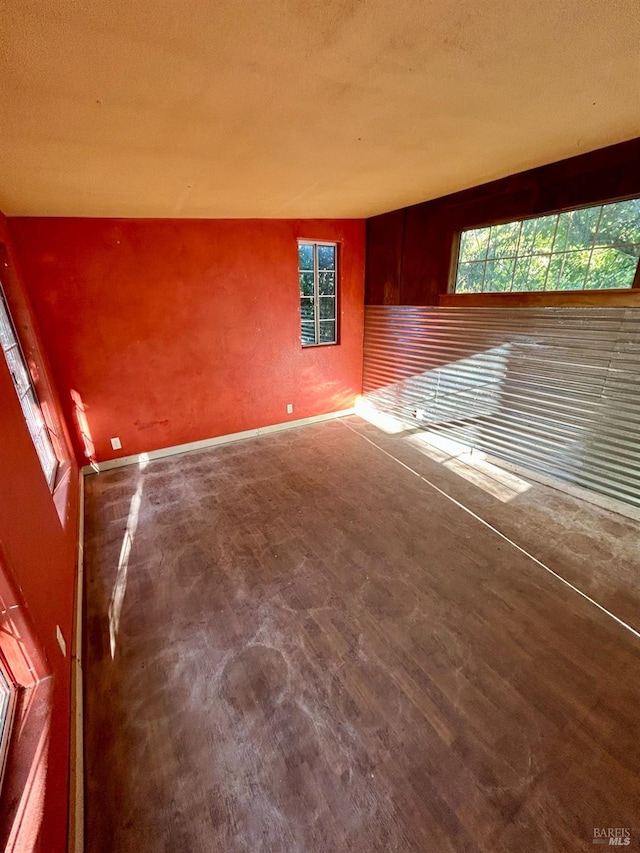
[316, 292]
[29, 402]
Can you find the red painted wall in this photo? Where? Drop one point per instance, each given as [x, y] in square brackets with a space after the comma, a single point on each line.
[173, 331]
[38, 551]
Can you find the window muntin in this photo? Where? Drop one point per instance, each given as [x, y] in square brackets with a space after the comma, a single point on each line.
[318, 279]
[31, 410]
[591, 248]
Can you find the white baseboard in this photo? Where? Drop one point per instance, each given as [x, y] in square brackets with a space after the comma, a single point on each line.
[76, 758]
[210, 442]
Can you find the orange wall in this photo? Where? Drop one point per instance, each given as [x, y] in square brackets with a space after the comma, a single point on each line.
[173, 331]
[38, 550]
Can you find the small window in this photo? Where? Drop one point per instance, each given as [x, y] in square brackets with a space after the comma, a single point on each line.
[592, 248]
[26, 393]
[318, 276]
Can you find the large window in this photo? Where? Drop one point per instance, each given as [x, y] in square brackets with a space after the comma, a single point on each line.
[318, 276]
[593, 248]
[26, 393]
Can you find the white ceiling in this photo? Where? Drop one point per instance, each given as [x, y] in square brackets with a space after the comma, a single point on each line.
[300, 108]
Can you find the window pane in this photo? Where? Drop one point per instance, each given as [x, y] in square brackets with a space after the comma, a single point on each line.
[537, 275]
[306, 309]
[474, 244]
[470, 278]
[498, 276]
[503, 239]
[327, 331]
[327, 257]
[7, 338]
[528, 236]
[306, 283]
[18, 370]
[574, 272]
[537, 235]
[583, 228]
[327, 308]
[28, 400]
[521, 274]
[562, 232]
[327, 284]
[305, 256]
[554, 275]
[308, 333]
[611, 268]
[32, 413]
[45, 453]
[620, 224]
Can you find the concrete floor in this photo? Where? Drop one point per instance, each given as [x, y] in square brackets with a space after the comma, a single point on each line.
[295, 643]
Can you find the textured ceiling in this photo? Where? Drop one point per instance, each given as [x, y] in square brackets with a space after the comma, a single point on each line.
[296, 108]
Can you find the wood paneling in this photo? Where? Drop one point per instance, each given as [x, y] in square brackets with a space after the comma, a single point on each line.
[421, 262]
[422, 258]
[385, 239]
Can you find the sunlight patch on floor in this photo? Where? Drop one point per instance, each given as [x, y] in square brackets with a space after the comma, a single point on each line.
[470, 464]
[120, 585]
[384, 421]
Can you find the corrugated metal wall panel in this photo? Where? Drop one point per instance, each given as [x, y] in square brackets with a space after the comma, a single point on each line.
[555, 390]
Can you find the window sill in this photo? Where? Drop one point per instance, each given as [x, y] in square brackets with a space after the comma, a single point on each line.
[544, 299]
